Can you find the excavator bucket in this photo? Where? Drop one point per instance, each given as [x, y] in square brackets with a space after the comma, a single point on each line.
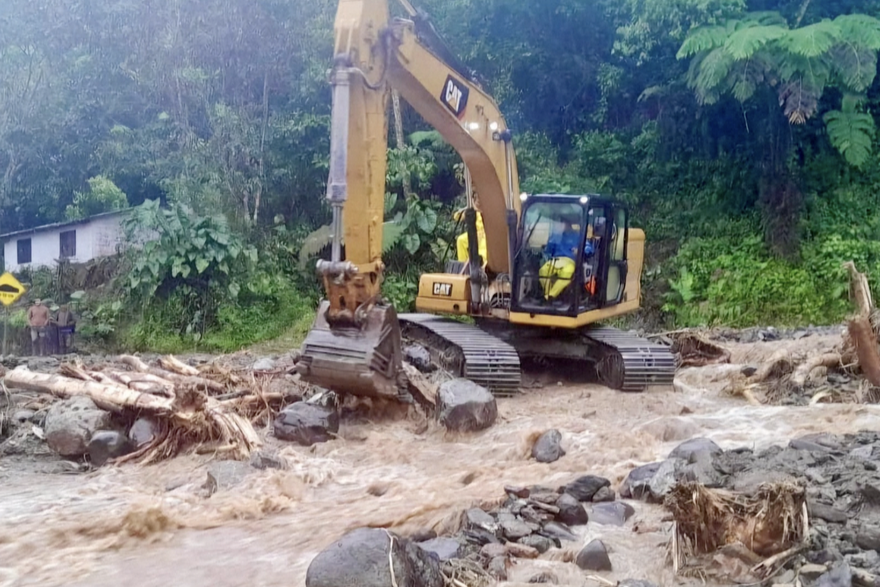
[362, 360]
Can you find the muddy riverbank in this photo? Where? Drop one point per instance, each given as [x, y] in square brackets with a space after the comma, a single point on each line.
[160, 524]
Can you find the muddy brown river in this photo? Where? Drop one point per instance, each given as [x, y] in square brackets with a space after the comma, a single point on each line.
[156, 526]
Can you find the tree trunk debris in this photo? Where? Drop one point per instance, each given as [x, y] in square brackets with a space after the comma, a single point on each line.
[211, 406]
[857, 353]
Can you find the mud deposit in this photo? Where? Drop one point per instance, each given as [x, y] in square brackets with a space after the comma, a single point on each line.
[163, 525]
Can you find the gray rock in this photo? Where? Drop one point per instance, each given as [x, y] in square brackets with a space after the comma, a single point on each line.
[862, 452]
[594, 557]
[521, 492]
[443, 548]
[419, 357]
[636, 583]
[559, 531]
[263, 459]
[464, 406]
[812, 572]
[547, 448]
[540, 543]
[497, 568]
[636, 484]
[839, 576]
[867, 559]
[70, 424]
[264, 364]
[107, 444]
[701, 469]
[604, 494]
[826, 512]
[307, 424]
[686, 449]
[227, 474]
[423, 535]
[611, 514]
[361, 559]
[584, 488]
[546, 578]
[143, 432]
[477, 518]
[571, 511]
[22, 416]
[515, 529]
[664, 479]
[868, 537]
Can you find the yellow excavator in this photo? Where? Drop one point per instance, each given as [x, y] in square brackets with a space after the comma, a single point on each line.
[555, 265]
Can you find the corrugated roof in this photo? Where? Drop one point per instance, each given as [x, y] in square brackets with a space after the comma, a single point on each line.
[58, 225]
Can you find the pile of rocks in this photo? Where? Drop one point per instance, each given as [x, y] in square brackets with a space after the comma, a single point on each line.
[462, 405]
[840, 474]
[530, 522]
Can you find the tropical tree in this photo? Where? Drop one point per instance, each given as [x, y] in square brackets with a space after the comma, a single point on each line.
[788, 70]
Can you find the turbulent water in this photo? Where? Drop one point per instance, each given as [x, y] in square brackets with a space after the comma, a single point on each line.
[156, 526]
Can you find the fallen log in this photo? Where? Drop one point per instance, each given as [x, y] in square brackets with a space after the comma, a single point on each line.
[174, 365]
[115, 397]
[192, 416]
[174, 376]
[802, 372]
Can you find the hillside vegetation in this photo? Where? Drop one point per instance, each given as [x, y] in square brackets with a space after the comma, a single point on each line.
[740, 132]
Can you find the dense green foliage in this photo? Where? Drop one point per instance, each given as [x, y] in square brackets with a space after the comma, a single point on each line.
[741, 133]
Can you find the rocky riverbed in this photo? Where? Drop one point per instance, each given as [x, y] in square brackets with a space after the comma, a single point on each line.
[195, 521]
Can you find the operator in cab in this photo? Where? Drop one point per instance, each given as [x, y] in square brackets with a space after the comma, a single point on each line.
[561, 251]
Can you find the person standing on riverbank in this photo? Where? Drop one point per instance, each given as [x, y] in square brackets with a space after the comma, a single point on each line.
[38, 320]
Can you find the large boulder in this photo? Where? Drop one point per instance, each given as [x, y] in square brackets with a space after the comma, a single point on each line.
[108, 444]
[612, 513]
[687, 449]
[594, 557]
[571, 511]
[143, 431]
[70, 424]
[465, 406]
[636, 483]
[361, 559]
[548, 447]
[307, 424]
[584, 488]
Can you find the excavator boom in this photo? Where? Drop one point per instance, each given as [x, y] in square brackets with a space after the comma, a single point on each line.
[354, 345]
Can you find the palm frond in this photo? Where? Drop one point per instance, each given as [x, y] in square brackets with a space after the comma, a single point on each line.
[854, 66]
[703, 39]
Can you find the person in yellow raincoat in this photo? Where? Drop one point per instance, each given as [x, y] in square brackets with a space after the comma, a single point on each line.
[461, 242]
[556, 274]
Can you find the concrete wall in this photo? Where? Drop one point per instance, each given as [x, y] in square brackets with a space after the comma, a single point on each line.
[99, 237]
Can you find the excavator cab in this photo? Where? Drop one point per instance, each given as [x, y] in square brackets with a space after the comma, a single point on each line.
[571, 255]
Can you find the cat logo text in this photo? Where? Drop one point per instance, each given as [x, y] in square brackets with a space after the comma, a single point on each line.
[443, 289]
[455, 96]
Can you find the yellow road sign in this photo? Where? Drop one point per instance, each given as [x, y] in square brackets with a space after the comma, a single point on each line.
[10, 289]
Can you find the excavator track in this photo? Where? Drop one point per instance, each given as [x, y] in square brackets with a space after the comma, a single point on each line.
[466, 351]
[630, 363]
[623, 361]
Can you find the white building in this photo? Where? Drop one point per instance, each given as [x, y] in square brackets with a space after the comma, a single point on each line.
[78, 241]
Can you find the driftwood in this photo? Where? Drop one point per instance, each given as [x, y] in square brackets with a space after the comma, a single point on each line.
[695, 351]
[175, 376]
[188, 415]
[176, 366]
[802, 372]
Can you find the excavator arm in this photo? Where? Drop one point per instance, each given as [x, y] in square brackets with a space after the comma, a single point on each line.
[354, 345]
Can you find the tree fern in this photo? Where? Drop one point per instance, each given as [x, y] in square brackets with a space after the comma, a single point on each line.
[743, 43]
[854, 66]
[703, 39]
[812, 40]
[851, 133]
[713, 70]
[859, 30]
